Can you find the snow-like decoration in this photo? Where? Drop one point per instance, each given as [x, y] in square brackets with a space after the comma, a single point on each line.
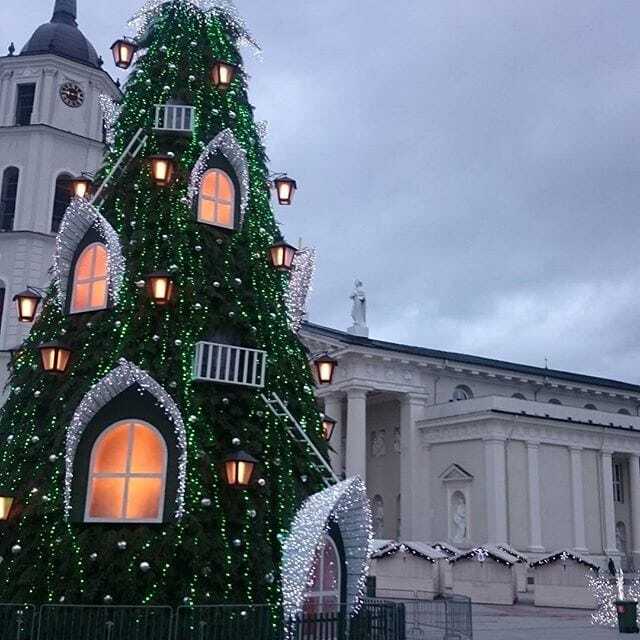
[226, 144]
[482, 554]
[347, 505]
[563, 556]
[79, 217]
[417, 549]
[225, 9]
[110, 114]
[300, 281]
[605, 593]
[114, 383]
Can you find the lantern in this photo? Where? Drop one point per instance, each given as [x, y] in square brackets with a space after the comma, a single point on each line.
[328, 425]
[325, 368]
[81, 186]
[27, 302]
[222, 74]
[123, 51]
[285, 188]
[6, 502]
[162, 169]
[281, 255]
[238, 469]
[54, 357]
[160, 287]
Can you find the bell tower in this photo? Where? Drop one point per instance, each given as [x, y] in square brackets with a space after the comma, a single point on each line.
[51, 129]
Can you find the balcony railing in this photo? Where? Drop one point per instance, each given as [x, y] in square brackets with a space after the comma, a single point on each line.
[174, 117]
[229, 364]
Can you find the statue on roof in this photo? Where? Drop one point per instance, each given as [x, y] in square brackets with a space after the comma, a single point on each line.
[359, 311]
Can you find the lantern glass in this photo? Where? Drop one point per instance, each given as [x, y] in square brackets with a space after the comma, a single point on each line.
[6, 502]
[282, 255]
[54, 357]
[160, 287]
[325, 368]
[328, 425]
[123, 51]
[285, 188]
[238, 469]
[222, 74]
[162, 169]
[27, 304]
[81, 187]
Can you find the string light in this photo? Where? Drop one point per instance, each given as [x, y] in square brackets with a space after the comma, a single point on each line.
[301, 279]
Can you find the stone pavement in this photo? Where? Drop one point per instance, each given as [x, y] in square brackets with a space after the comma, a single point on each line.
[526, 622]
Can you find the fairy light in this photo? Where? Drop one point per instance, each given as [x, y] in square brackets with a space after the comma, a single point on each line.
[300, 281]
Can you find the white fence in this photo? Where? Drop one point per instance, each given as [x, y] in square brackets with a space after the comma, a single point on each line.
[230, 364]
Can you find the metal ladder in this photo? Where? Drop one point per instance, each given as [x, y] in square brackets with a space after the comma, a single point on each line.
[299, 435]
[131, 151]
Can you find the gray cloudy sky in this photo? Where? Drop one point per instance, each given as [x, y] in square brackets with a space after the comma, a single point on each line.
[475, 162]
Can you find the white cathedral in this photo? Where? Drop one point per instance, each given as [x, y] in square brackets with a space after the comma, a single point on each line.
[453, 447]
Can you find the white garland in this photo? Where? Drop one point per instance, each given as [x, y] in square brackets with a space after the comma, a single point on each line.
[79, 217]
[605, 593]
[297, 296]
[114, 383]
[345, 503]
[110, 114]
[226, 144]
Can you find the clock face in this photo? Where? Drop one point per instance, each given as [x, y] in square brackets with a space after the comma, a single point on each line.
[72, 95]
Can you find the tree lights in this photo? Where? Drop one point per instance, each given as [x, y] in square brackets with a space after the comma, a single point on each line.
[27, 302]
[285, 189]
[238, 469]
[54, 357]
[123, 51]
[222, 74]
[160, 287]
[162, 169]
[281, 256]
[325, 367]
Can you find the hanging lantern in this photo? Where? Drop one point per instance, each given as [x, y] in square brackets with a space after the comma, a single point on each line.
[285, 188]
[81, 186]
[325, 368]
[328, 425]
[281, 255]
[238, 469]
[54, 357]
[222, 74]
[6, 502]
[160, 287]
[123, 51]
[162, 169]
[27, 302]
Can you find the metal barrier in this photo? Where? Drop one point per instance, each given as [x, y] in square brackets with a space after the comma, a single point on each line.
[17, 621]
[227, 622]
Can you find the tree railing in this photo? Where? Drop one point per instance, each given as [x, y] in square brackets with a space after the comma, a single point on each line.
[230, 364]
[17, 621]
[174, 118]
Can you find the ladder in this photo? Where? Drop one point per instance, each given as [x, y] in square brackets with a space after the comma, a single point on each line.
[299, 435]
[131, 151]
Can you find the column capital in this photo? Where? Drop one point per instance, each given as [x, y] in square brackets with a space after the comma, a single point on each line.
[606, 453]
[410, 397]
[576, 448]
[533, 444]
[357, 391]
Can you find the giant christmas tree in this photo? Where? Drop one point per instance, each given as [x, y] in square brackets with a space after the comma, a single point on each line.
[114, 462]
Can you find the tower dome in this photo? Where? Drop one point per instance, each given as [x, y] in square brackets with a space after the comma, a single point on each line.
[61, 37]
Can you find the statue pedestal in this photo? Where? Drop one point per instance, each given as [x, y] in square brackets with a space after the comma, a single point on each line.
[359, 330]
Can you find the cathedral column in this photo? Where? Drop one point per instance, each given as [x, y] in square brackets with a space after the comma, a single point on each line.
[634, 490]
[608, 508]
[411, 410]
[495, 467]
[356, 456]
[577, 494]
[333, 409]
[533, 476]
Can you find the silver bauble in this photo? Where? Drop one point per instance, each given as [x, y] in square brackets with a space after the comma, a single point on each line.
[144, 567]
[122, 545]
[16, 549]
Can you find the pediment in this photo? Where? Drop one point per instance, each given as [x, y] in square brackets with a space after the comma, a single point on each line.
[455, 473]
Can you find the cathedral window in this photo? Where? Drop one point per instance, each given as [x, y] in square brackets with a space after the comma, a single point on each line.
[127, 474]
[61, 199]
[8, 197]
[24, 104]
[217, 201]
[323, 595]
[618, 486]
[90, 280]
[462, 392]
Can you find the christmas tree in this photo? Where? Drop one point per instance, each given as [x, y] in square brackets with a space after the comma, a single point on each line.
[161, 342]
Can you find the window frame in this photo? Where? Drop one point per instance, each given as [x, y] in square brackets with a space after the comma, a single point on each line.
[4, 197]
[216, 199]
[91, 280]
[21, 109]
[618, 482]
[127, 475]
[61, 179]
[318, 577]
[462, 389]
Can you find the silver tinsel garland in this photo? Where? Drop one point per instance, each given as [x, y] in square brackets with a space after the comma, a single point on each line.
[115, 382]
[297, 296]
[346, 504]
[110, 114]
[79, 217]
[226, 144]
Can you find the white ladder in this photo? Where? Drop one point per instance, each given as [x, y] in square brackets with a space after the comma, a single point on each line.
[279, 409]
[131, 151]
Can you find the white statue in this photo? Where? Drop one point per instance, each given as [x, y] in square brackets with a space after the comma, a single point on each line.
[359, 311]
[458, 517]
[397, 440]
[378, 516]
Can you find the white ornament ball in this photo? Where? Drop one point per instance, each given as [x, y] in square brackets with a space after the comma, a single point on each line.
[16, 549]
[192, 419]
[216, 285]
[173, 384]
[118, 323]
[192, 78]
[237, 542]
[197, 306]
[178, 342]
[107, 599]
[198, 248]
[270, 578]
[36, 394]
[165, 236]
[232, 314]
[144, 567]
[205, 502]
[218, 240]
[252, 513]
[236, 442]
[238, 281]
[155, 338]
[225, 400]
[93, 557]
[163, 48]
[140, 284]
[262, 482]
[166, 88]
[35, 439]
[122, 545]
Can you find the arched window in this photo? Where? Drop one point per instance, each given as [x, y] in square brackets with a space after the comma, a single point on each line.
[324, 592]
[591, 406]
[3, 291]
[127, 474]
[8, 197]
[462, 392]
[216, 205]
[90, 290]
[519, 396]
[624, 412]
[554, 401]
[61, 200]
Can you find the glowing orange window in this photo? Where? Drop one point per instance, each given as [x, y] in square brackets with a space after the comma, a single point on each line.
[217, 199]
[127, 474]
[90, 290]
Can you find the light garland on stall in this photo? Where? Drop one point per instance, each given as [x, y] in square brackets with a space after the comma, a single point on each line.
[481, 554]
[121, 378]
[563, 556]
[300, 281]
